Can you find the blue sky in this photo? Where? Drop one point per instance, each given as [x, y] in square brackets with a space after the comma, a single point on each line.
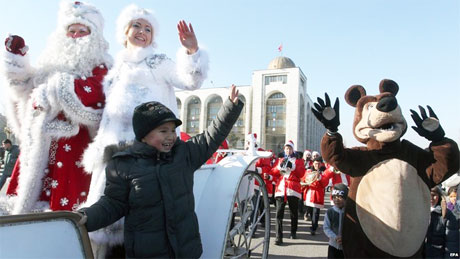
[336, 43]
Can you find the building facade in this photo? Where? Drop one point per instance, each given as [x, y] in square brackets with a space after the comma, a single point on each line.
[277, 108]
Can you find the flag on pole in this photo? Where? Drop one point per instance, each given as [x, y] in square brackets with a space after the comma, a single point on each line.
[280, 48]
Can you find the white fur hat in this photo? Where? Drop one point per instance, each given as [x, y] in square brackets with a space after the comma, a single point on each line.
[71, 12]
[315, 153]
[133, 12]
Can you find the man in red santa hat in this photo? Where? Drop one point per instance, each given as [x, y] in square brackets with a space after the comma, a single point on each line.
[54, 110]
[287, 171]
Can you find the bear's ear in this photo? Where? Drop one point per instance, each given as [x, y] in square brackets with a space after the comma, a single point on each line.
[354, 93]
[388, 85]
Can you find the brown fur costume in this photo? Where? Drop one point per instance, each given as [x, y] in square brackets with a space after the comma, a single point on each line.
[388, 206]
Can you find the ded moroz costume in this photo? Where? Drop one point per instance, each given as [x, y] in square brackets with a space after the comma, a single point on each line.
[54, 111]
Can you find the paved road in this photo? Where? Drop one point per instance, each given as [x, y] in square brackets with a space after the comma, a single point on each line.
[305, 246]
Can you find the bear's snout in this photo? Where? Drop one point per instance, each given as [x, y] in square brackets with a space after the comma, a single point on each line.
[387, 104]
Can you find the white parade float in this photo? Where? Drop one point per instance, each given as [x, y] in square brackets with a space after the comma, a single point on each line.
[228, 206]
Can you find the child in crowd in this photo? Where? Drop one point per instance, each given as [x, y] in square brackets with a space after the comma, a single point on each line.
[151, 182]
[452, 194]
[442, 238]
[333, 221]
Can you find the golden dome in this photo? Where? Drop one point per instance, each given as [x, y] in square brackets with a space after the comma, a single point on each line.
[281, 62]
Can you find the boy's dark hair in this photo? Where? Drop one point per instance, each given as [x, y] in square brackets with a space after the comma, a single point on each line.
[6, 141]
[438, 192]
[149, 116]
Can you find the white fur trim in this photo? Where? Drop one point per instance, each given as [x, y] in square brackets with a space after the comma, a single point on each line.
[83, 13]
[111, 235]
[133, 12]
[192, 69]
[34, 160]
[15, 67]
[16, 85]
[71, 104]
[7, 203]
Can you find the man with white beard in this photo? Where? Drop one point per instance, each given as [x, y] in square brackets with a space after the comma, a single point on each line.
[54, 110]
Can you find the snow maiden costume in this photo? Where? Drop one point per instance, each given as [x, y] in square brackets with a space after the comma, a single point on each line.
[139, 75]
[54, 111]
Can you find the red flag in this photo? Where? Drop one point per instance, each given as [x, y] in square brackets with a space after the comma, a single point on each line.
[280, 48]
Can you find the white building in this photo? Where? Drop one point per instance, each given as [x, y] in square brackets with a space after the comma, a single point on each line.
[277, 108]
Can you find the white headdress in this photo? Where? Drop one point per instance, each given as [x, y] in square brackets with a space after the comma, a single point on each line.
[133, 12]
[71, 12]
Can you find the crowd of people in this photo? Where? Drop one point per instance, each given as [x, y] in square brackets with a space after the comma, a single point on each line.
[82, 151]
[301, 180]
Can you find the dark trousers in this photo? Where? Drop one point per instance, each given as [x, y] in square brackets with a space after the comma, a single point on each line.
[3, 179]
[333, 252]
[314, 214]
[293, 203]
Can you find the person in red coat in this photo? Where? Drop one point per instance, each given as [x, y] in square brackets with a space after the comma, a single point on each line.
[315, 183]
[287, 171]
[55, 110]
[217, 156]
[263, 167]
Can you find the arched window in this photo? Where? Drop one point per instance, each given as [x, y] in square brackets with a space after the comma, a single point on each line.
[275, 126]
[179, 107]
[236, 136]
[193, 116]
[213, 108]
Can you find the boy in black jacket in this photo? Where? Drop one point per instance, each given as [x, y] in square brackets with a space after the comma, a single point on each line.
[333, 221]
[151, 183]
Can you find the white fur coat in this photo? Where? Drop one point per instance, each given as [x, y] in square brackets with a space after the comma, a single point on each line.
[138, 76]
[53, 91]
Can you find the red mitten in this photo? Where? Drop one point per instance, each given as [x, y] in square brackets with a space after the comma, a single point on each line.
[16, 45]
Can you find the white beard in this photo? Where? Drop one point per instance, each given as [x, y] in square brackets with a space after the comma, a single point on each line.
[77, 56]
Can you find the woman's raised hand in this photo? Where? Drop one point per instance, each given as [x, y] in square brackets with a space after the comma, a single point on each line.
[187, 37]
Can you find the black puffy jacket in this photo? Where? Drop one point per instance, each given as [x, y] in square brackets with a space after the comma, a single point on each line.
[442, 235]
[154, 191]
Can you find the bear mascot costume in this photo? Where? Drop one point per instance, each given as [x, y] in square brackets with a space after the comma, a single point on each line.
[388, 206]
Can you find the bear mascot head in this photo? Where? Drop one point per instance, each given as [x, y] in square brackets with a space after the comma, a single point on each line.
[388, 206]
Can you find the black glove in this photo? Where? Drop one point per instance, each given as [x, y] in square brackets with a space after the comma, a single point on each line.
[428, 127]
[289, 165]
[326, 115]
[284, 162]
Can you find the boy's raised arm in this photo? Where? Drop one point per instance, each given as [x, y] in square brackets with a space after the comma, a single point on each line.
[202, 146]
